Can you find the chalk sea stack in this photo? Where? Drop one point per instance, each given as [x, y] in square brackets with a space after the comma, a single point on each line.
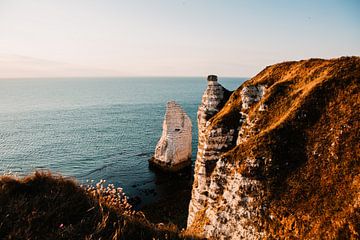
[173, 151]
[279, 158]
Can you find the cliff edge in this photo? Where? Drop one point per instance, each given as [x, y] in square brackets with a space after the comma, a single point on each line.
[45, 206]
[279, 158]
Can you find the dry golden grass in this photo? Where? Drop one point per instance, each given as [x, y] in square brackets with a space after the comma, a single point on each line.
[44, 206]
[311, 131]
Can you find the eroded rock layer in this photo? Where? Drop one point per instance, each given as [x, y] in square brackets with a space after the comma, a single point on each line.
[173, 151]
[280, 159]
[210, 144]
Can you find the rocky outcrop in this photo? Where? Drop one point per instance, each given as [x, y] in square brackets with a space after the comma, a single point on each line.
[280, 158]
[210, 144]
[173, 151]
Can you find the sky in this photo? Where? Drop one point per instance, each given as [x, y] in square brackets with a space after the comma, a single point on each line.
[68, 38]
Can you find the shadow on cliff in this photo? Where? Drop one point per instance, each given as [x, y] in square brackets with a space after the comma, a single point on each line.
[312, 179]
[290, 144]
[289, 141]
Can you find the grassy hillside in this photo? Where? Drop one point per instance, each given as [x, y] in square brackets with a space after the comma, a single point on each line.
[304, 139]
[44, 206]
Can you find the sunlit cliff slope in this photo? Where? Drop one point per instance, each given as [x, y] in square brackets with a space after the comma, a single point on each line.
[280, 157]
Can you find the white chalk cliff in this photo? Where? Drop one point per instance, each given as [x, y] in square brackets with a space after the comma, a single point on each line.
[173, 151]
[211, 144]
[278, 159]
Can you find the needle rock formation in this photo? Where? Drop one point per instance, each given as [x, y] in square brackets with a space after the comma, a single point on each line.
[173, 151]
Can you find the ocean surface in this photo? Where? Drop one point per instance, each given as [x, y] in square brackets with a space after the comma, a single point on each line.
[93, 128]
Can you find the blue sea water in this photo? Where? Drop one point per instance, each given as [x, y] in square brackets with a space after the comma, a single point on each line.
[94, 128]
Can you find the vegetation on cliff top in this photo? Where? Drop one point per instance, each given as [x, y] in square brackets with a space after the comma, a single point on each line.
[309, 128]
[44, 206]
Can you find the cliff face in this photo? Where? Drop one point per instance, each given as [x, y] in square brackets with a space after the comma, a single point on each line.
[173, 151]
[214, 98]
[281, 157]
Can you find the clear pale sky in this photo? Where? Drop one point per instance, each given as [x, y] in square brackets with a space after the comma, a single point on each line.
[170, 37]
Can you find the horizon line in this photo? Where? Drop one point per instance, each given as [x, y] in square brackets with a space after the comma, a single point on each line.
[92, 77]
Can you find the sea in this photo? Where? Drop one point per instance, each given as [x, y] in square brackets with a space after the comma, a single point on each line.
[94, 128]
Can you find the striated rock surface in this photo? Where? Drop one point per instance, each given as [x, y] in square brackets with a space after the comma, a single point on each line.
[210, 144]
[280, 158]
[173, 151]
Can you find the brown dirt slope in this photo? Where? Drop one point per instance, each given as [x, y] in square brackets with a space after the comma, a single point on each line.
[43, 206]
[310, 129]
